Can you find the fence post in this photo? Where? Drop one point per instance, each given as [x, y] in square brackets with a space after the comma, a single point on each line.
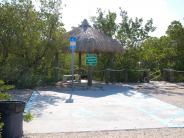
[171, 75]
[165, 75]
[106, 76]
[126, 75]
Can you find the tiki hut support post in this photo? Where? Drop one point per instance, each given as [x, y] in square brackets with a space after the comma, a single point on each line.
[80, 63]
[89, 70]
[90, 76]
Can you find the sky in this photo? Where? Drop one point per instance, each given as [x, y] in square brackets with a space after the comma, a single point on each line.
[163, 12]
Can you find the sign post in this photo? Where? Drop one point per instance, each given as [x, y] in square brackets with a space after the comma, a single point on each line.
[72, 47]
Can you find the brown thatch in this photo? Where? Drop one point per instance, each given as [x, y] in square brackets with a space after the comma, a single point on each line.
[91, 40]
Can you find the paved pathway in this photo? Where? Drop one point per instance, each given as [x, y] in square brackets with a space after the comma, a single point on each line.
[110, 108]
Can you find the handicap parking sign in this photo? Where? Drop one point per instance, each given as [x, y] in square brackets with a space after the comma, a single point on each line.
[73, 42]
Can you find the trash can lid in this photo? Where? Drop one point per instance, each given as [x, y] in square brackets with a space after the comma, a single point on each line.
[12, 106]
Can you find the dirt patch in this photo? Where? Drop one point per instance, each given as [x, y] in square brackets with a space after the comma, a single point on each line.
[172, 93]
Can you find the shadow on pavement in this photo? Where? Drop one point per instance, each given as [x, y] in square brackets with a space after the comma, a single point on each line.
[42, 101]
[95, 92]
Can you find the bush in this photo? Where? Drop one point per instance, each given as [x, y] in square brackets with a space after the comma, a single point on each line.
[4, 87]
[4, 96]
[135, 76]
[127, 75]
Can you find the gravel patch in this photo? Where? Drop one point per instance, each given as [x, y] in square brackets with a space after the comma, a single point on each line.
[142, 133]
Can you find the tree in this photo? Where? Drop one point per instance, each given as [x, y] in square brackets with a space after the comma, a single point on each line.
[105, 22]
[132, 32]
[175, 32]
[31, 42]
[157, 53]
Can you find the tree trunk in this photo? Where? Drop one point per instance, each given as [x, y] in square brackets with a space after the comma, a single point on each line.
[80, 63]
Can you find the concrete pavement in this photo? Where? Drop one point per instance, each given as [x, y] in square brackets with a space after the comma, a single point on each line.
[112, 107]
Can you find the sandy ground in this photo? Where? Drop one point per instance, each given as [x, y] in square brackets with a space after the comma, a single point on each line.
[172, 93]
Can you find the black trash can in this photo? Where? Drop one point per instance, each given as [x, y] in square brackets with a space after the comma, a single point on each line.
[12, 117]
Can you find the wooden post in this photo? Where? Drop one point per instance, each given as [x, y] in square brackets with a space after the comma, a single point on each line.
[89, 76]
[80, 63]
[106, 76]
[126, 75]
[56, 64]
[171, 75]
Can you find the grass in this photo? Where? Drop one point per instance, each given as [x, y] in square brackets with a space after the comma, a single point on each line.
[27, 117]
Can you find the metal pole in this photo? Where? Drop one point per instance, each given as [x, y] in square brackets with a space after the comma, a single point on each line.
[79, 71]
[72, 68]
[72, 47]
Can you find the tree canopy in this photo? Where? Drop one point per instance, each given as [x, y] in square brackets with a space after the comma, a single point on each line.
[30, 42]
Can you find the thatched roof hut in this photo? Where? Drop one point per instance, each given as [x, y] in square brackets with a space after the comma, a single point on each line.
[90, 39]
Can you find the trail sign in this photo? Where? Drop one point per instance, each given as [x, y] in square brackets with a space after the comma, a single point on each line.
[72, 42]
[91, 59]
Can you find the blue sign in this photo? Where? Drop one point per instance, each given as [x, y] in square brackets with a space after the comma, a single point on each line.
[73, 42]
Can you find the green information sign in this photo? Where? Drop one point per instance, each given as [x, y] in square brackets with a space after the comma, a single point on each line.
[91, 59]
